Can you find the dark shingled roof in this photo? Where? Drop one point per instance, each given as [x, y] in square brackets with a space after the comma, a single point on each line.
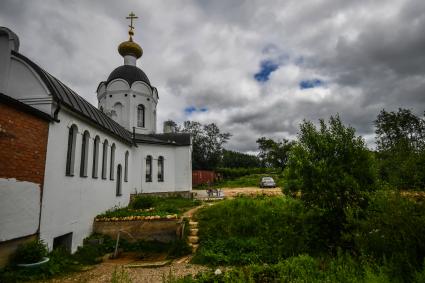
[129, 73]
[177, 139]
[76, 103]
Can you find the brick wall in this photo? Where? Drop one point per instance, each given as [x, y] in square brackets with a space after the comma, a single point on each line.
[23, 144]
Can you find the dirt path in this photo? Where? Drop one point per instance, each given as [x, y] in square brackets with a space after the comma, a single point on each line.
[102, 273]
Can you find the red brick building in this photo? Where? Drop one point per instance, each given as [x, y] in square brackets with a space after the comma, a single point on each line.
[23, 146]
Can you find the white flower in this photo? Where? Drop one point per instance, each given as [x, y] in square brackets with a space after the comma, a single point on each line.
[217, 271]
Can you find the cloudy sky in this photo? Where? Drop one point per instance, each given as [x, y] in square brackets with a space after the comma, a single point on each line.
[256, 68]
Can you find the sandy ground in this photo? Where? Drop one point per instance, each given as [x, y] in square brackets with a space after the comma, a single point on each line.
[251, 191]
[248, 191]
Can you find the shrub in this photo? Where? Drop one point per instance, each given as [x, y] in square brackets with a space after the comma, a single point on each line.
[143, 202]
[392, 231]
[332, 168]
[30, 252]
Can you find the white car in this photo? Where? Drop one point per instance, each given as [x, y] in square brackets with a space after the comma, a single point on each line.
[267, 182]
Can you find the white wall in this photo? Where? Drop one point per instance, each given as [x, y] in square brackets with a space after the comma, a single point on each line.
[70, 203]
[25, 85]
[19, 208]
[118, 90]
[177, 168]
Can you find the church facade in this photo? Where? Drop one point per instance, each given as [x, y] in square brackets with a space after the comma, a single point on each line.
[94, 159]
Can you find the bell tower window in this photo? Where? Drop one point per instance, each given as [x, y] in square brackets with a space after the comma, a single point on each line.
[141, 115]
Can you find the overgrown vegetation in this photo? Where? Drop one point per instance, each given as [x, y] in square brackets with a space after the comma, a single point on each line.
[336, 223]
[30, 252]
[301, 269]
[255, 230]
[385, 240]
[332, 169]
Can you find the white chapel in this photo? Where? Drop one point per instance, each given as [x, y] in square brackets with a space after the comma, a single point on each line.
[95, 157]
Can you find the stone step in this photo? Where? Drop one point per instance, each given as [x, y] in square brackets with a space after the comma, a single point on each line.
[194, 247]
[193, 239]
[194, 231]
[193, 223]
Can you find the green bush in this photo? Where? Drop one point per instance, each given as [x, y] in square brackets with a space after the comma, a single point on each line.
[255, 230]
[30, 252]
[333, 170]
[392, 231]
[143, 202]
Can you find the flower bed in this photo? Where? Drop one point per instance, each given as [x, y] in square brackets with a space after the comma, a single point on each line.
[135, 218]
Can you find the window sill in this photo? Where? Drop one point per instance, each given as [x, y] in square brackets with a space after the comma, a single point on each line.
[69, 175]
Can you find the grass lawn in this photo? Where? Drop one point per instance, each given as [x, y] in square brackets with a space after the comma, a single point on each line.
[245, 181]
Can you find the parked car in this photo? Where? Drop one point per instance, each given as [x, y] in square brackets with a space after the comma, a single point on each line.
[267, 182]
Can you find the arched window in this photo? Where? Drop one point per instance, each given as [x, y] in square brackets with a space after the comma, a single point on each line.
[95, 168]
[70, 154]
[104, 159]
[84, 154]
[160, 169]
[141, 115]
[149, 168]
[118, 108]
[112, 169]
[126, 167]
[119, 181]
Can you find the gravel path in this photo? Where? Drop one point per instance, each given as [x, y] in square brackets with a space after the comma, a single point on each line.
[102, 273]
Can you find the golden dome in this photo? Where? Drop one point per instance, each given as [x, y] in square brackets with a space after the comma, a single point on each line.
[130, 48]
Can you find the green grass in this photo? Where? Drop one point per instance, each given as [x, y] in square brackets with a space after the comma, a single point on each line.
[298, 269]
[256, 230]
[252, 180]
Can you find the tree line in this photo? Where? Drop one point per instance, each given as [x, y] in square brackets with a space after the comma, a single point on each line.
[398, 160]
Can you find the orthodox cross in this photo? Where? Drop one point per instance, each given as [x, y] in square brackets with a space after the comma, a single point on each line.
[130, 17]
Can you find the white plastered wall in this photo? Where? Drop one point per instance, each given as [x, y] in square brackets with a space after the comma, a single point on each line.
[177, 168]
[70, 203]
[118, 91]
[19, 208]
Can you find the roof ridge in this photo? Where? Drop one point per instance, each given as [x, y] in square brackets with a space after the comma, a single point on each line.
[69, 97]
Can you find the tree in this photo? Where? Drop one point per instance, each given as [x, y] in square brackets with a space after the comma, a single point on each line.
[207, 144]
[234, 159]
[332, 169]
[400, 139]
[274, 153]
[399, 129]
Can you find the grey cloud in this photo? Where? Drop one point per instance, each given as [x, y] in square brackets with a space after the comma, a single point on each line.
[205, 54]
